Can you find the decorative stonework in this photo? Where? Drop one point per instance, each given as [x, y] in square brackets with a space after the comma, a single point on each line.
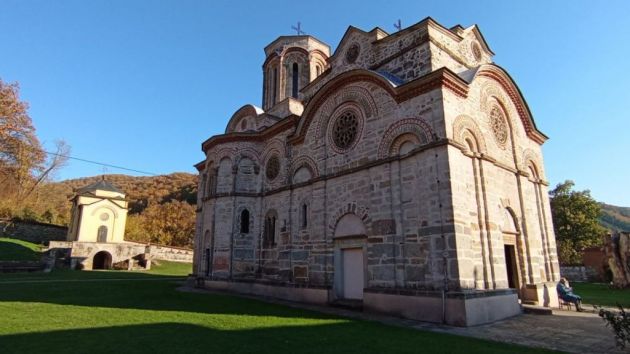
[499, 126]
[351, 208]
[465, 127]
[352, 53]
[476, 51]
[345, 130]
[416, 126]
[304, 161]
[355, 95]
[273, 168]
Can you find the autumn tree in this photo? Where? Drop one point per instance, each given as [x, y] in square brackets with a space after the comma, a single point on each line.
[171, 223]
[24, 165]
[575, 218]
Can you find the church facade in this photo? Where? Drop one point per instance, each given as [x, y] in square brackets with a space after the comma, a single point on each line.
[402, 173]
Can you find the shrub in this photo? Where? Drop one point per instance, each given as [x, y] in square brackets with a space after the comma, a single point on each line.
[620, 324]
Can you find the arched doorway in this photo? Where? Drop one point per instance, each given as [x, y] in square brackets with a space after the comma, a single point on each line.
[511, 234]
[102, 260]
[350, 234]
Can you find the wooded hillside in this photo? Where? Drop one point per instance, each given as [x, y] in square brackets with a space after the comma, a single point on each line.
[615, 217]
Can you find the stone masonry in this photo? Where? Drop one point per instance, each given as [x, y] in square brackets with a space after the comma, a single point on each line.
[402, 171]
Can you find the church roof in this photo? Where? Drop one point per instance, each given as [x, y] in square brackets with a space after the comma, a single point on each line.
[101, 185]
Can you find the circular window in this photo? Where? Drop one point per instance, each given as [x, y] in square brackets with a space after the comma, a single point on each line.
[352, 53]
[273, 167]
[104, 216]
[345, 130]
[476, 51]
[499, 125]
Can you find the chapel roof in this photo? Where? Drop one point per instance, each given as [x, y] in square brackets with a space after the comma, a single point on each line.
[101, 185]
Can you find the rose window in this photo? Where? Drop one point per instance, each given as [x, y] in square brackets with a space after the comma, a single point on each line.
[499, 126]
[273, 168]
[345, 130]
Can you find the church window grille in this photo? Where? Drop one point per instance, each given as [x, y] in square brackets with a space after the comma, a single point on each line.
[245, 221]
[273, 168]
[296, 78]
[476, 51]
[499, 125]
[345, 130]
[352, 53]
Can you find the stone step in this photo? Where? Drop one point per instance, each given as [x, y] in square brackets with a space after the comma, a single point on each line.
[348, 304]
[537, 310]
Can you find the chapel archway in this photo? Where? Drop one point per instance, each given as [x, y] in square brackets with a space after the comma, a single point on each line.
[102, 260]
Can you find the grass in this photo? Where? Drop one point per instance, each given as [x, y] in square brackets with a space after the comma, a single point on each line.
[144, 313]
[602, 294]
[17, 250]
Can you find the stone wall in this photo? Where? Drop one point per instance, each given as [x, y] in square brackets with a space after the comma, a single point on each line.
[579, 273]
[32, 231]
[173, 254]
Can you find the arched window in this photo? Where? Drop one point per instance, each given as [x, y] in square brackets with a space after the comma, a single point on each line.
[304, 215]
[274, 86]
[318, 70]
[102, 234]
[245, 221]
[269, 235]
[295, 80]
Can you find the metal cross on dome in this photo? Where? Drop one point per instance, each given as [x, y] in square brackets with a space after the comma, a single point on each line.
[398, 25]
[298, 29]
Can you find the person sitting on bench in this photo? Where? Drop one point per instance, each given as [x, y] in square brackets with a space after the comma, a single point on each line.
[565, 292]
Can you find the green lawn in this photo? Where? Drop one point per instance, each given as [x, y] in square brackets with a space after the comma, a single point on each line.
[92, 312]
[17, 250]
[602, 294]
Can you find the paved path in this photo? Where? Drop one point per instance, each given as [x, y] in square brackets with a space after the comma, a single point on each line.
[567, 331]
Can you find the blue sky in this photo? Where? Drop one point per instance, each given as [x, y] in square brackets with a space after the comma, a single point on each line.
[142, 83]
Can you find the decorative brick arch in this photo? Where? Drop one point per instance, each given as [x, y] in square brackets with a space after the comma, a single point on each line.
[351, 208]
[464, 127]
[221, 154]
[531, 159]
[356, 95]
[304, 161]
[416, 126]
[108, 207]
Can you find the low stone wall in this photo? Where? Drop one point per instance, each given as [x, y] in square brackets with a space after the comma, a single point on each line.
[31, 231]
[167, 253]
[579, 273]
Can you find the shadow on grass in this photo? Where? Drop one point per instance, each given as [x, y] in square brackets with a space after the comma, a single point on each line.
[14, 250]
[350, 337]
[136, 291]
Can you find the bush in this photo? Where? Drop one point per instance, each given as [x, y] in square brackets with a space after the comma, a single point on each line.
[620, 324]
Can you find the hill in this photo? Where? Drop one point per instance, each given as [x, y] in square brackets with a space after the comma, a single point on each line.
[615, 217]
[142, 191]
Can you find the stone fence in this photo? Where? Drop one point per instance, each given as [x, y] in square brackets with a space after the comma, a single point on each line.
[169, 253]
[32, 231]
[579, 273]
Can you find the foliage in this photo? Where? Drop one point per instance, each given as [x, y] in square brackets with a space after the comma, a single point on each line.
[619, 322]
[24, 166]
[615, 218]
[575, 218]
[171, 223]
[153, 317]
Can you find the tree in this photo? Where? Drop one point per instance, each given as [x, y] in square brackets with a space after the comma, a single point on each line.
[24, 166]
[171, 223]
[575, 218]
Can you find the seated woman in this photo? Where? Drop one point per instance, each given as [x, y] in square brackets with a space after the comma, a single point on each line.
[565, 292]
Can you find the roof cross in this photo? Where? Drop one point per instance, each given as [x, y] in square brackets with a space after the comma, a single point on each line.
[398, 25]
[298, 29]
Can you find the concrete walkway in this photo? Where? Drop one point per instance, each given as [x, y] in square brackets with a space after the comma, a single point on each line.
[569, 331]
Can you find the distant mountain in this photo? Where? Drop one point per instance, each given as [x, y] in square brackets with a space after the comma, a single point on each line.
[141, 190]
[615, 218]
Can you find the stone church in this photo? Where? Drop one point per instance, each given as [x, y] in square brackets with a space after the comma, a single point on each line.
[402, 173]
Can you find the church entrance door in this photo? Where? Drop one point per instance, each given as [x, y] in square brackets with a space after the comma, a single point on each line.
[353, 277]
[510, 266]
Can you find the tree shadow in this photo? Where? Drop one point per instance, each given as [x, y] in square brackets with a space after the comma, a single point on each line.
[137, 291]
[13, 251]
[171, 337]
